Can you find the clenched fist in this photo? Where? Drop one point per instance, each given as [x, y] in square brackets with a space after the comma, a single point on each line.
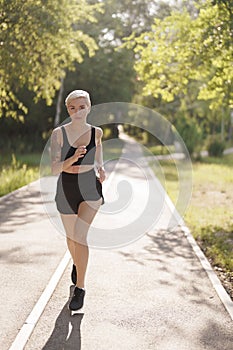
[80, 152]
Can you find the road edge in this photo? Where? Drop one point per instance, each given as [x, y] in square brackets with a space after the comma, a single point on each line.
[215, 281]
[31, 321]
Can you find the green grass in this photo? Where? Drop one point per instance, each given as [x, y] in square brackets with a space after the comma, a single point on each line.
[160, 149]
[167, 174]
[112, 149]
[217, 243]
[17, 172]
[209, 215]
[31, 159]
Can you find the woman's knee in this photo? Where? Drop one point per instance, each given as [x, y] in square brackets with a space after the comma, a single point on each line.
[81, 237]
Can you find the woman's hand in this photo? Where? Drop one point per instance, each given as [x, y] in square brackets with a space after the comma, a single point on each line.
[101, 173]
[80, 152]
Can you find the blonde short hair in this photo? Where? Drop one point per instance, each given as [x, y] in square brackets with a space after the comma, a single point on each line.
[77, 94]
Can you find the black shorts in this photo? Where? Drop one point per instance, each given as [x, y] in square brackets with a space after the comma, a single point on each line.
[72, 189]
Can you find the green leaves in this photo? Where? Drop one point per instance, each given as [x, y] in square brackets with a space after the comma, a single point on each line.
[181, 49]
[40, 39]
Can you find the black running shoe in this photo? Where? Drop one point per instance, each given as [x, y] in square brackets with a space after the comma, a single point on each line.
[77, 299]
[74, 275]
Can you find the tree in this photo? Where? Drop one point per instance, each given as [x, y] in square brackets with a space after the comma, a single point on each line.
[40, 39]
[109, 75]
[181, 49]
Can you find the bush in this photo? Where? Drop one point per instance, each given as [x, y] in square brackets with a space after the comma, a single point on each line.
[215, 146]
[190, 132]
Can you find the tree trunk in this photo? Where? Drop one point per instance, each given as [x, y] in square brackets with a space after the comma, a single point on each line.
[58, 106]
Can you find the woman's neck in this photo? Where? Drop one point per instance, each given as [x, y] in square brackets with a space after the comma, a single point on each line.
[79, 125]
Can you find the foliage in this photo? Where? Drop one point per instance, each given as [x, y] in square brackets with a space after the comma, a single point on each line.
[215, 146]
[190, 132]
[109, 76]
[181, 49]
[45, 51]
[35, 52]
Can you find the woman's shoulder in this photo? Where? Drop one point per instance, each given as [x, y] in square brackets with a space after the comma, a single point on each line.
[59, 128]
[57, 133]
[98, 131]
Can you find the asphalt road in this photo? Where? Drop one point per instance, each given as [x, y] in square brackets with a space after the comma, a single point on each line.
[150, 294]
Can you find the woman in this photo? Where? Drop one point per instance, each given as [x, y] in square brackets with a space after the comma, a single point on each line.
[75, 148]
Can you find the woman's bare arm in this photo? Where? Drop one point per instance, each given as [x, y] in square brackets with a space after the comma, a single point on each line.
[99, 154]
[57, 166]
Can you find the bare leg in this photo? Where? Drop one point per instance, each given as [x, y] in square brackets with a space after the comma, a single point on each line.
[69, 225]
[86, 213]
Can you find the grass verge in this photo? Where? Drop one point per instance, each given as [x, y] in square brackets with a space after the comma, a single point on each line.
[209, 215]
[17, 172]
[112, 149]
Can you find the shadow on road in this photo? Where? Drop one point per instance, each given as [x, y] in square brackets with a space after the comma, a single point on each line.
[19, 208]
[66, 334]
[176, 267]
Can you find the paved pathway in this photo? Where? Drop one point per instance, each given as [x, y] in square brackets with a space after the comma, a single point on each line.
[151, 294]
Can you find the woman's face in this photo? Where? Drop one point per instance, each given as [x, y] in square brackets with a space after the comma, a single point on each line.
[78, 109]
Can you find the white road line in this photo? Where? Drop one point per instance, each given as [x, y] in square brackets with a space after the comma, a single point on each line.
[30, 323]
[223, 295]
[26, 330]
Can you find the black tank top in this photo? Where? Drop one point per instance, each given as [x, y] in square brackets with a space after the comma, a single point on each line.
[68, 151]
